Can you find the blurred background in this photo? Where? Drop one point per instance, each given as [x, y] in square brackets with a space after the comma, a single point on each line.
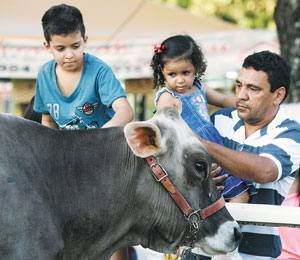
[123, 33]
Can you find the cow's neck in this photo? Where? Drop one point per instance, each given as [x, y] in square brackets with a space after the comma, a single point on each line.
[94, 205]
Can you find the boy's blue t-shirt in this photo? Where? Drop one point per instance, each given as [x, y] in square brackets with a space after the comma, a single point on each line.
[89, 106]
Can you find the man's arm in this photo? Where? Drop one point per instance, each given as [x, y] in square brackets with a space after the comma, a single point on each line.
[123, 113]
[48, 121]
[245, 165]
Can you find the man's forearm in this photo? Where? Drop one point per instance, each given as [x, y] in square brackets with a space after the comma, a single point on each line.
[245, 165]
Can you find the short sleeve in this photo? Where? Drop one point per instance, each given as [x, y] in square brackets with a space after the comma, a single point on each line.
[160, 92]
[284, 151]
[109, 87]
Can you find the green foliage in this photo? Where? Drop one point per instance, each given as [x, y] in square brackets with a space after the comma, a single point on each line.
[184, 3]
[246, 13]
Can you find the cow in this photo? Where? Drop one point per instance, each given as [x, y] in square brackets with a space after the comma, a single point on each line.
[83, 194]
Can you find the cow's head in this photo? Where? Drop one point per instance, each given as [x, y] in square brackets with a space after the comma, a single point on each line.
[177, 149]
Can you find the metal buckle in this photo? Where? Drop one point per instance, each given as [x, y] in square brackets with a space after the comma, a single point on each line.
[162, 169]
[194, 218]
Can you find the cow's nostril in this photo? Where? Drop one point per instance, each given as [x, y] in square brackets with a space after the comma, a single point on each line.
[237, 235]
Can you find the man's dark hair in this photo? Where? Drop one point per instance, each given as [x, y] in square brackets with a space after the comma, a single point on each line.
[62, 20]
[277, 69]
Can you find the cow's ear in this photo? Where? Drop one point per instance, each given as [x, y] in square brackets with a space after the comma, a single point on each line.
[143, 138]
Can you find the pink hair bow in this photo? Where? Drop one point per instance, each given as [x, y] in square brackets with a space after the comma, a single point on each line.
[159, 48]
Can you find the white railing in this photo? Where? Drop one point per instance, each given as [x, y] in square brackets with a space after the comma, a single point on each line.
[265, 215]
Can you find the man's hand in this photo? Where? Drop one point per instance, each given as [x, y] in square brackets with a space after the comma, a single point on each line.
[218, 180]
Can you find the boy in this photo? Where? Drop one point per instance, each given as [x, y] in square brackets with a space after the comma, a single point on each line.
[76, 90]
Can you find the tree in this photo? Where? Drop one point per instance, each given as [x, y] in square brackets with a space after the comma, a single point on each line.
[287, 19]
[246, 13]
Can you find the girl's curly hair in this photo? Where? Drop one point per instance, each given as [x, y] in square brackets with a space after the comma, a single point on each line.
[179, 47]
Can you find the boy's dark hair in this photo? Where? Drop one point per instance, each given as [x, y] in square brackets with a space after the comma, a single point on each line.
[177, 47]
[62, 19]
[277, 69]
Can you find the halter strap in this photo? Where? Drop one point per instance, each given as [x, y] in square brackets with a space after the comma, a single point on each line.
[161, 176]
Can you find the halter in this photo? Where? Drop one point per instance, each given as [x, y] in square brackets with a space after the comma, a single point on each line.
[194, 217]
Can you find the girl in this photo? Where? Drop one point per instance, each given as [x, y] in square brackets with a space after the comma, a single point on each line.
[178, 64]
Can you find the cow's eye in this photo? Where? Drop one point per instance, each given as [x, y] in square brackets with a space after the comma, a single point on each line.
[200, 167]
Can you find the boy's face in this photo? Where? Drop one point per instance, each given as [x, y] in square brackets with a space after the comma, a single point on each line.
[67, 50]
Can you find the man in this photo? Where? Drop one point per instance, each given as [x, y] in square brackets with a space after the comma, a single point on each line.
[261, 144]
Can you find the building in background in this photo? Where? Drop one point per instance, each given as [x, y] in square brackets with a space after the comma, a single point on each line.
[122, 33]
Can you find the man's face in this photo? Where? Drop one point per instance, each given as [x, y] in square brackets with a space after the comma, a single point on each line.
[67, 50]
[255, 102]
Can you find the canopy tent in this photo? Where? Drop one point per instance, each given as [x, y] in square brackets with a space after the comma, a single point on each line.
[107, 19]
[120, 32]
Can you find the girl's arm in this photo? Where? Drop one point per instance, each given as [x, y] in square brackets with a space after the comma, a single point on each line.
[219, 99]
[167, 100]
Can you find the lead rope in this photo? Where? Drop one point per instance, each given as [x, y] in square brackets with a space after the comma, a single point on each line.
[185, 252]
[173, 256]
